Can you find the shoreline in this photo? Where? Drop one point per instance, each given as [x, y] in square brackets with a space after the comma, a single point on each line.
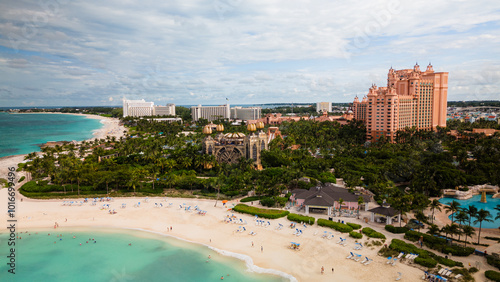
[109, 127]
[211, 231]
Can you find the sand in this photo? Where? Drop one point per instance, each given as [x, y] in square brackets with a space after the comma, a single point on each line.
[304, 265]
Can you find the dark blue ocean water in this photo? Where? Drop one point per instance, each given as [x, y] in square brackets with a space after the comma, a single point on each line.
[22, 133]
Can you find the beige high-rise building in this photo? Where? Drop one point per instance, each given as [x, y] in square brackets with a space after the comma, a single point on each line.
[412, 98]
[323, 107]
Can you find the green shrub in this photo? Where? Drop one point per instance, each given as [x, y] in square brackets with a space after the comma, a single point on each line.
[427, 262]
[344, 228]
[473, 270]
[439, 244]
[265, 213]
[250, 199]
[354, 225]
[372, 233]
[3, 182]
[268, 201]
[396, 229]
[355, 234]
[493, 261]
[492, 275]
[22, 178]
[447, 262]
[300, 218]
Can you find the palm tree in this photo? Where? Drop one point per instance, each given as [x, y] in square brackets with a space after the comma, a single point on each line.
[452, 207]
[498, 214]
[433, 229]
[471, 211]
[360, 202]
[468, 232]
[482, 215]
[341, 201]
[461, 218]
[435, 205]
[446, 230]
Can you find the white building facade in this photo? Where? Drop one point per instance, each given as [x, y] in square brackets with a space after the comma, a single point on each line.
[210, 113]
[137, 108]
[168, 110]
[241, 113]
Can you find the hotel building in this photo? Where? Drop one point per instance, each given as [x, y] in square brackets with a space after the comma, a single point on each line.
[168, 110]
[250, 113]
[137, 108]
[412, 98]
[210, 113]
[324, 107]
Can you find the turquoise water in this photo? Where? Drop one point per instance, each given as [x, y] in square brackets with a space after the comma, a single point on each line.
[475, 201]
[151, 257]
[22, 133]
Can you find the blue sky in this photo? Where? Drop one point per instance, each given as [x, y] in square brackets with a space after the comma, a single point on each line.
[77, 53]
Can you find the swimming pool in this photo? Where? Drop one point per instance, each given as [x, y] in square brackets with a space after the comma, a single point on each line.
[475, 201]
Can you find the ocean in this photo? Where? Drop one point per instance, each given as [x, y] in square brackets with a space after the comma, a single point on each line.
[23, 133]
[150, 257]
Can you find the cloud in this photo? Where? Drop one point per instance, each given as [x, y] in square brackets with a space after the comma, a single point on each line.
[76, 52]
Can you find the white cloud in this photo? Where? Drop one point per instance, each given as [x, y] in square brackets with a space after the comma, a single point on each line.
[275, 51]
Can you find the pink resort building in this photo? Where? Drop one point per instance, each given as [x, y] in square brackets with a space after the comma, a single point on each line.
[412, 98]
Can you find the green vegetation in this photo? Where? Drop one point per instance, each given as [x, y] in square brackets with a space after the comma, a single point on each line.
[22, 178]
[492, 275]
[493, 261]
[3, 182]
[396, 230]
[354, 225]
[425, 258]
[264, 213]
[344, 228]
[439, 244]
[301, 218]
[372, 233]
[355, 234]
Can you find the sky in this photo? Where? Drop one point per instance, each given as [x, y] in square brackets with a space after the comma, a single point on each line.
[188, 52]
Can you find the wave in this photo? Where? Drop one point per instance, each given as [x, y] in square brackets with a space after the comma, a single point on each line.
[247, 259]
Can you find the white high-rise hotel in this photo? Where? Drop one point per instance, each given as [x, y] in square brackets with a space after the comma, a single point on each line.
[141, 108]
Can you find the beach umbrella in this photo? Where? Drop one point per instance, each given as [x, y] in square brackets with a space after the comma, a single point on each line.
[225, 201]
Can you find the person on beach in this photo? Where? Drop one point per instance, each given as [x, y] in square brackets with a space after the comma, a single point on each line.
[261, 249]
[252, 244]
[322, 270]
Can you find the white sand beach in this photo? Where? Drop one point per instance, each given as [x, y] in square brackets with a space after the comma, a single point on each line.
[304, 265]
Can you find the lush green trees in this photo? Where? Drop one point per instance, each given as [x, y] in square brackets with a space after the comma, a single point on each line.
[482, 215]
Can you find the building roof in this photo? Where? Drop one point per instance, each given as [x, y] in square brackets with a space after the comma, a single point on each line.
[319, 198]
[387, 211]
[333, 192]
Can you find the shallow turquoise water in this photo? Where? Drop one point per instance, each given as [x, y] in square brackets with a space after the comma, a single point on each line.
[476, 201]
[150, 257]
[22, 133]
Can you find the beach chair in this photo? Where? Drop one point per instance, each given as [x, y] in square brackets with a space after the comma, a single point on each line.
[401, 255]
[457, 276]
[344, 242]
[169, 205]
[325, 234]
[394, 260]
[364, 260]
[124, 205]
[389, 259]
[400, 275]
[358, 246]
[330, 236]
[350, 256]
[339, 241]
[368, 262]
[253, 233]
[300, 233]
[357, 257]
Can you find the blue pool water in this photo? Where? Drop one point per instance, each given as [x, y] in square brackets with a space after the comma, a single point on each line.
[22, 133]
[150, 257]
[475, 201]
